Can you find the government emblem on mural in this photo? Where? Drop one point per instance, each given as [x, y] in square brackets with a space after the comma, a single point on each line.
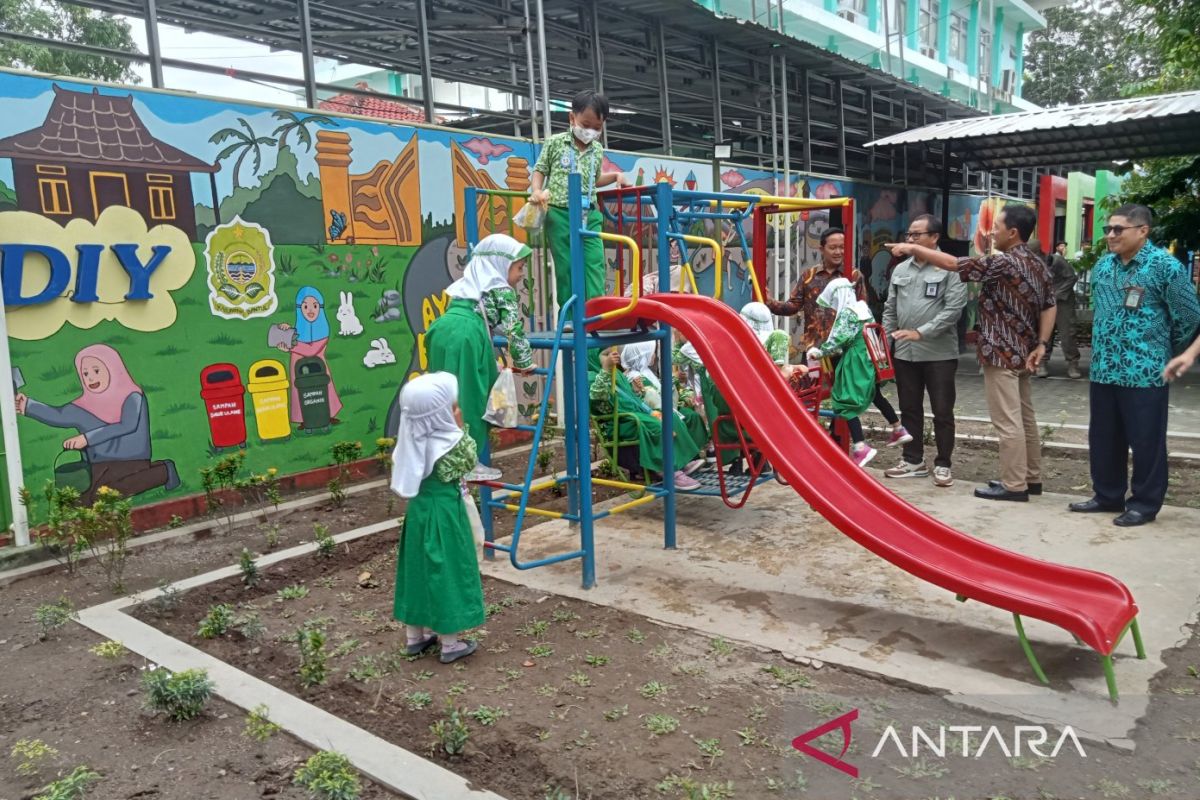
[241, 272]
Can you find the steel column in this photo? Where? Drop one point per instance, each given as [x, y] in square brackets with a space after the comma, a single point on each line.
[718, 120]
[807, 121]
[533, 126]
[542, 64]
[664, 86]
[787, 128]
[841, 126]
[306, 55]
[426, 67]
[945, 189]
[870, 100]
[152, 43]
[597, 57]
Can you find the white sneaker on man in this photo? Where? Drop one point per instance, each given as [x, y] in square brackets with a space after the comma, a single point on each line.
[942, 477]
[907, 470]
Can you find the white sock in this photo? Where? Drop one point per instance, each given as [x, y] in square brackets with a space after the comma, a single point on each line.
[415, 634]
[450, 642]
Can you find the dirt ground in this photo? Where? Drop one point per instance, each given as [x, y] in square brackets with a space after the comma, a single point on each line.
[570, 693]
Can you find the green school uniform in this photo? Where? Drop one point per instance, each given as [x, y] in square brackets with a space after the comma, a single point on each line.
[458, 342]
[558, 159]
[637, 423]
[854, 381]
[437, 570]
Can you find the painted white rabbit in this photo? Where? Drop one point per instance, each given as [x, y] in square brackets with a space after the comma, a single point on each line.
[350, 326]
[379, 354]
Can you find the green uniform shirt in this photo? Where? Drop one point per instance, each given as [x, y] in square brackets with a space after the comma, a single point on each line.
[559, 158]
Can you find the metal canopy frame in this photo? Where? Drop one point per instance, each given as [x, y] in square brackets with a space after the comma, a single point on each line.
[1094, 135]
[679, 76]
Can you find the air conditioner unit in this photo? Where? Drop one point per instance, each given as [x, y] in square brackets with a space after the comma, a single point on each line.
[930, 52]
[1008, 81]
[848, 14]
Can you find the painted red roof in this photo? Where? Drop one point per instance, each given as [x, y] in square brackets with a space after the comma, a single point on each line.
[369, 106]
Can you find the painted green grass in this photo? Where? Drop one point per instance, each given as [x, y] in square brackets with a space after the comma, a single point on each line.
[167, 365]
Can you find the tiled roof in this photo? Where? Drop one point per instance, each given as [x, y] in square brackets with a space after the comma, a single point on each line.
[94, 128]
[368, 106]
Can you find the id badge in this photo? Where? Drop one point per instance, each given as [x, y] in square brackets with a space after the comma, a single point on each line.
[1133, 297]
[587, 202]
[931, 288]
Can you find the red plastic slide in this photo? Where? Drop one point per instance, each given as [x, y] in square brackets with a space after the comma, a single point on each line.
[1092, 605]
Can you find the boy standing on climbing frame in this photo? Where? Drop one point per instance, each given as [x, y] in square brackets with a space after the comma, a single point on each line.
[577, 150]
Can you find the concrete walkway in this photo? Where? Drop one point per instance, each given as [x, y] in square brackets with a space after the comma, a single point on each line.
[777, 575]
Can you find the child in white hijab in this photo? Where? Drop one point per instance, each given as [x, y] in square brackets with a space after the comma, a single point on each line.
[437, 571]
[638, 361]
[854, 379]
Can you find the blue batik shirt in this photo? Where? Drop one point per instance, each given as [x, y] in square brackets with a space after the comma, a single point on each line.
[1130, 346]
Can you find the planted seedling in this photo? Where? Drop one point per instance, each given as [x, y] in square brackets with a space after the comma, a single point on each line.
[325, 543]
[660, 724]
[652, 690]
[258, 724]
[109, 650]
[719, 648]
[52, 616]
[296, 591]
[418, 700]
[451, 732]
[536, 628]
[635, 636]
[313, 669]
[487, 715]
[595, 661]
[540, 651]
[29, 755]
[711, 748]
[580, 679]
[72, 787]
[248, 568]
[216, 622]
[614, 714]
[564, 615]
[786, 676]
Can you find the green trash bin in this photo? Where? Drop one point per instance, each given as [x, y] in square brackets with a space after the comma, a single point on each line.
[312, 385]
[75, 473]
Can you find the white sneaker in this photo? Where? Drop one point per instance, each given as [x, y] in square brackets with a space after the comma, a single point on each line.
[483, 473]
[685, 483]
[907, 470]
[942, 476]
[692, 466]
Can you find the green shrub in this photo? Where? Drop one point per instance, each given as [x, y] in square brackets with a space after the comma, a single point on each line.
[313, 670]
[216, 622]
[181, 695]
[328, 776]
[72, 787]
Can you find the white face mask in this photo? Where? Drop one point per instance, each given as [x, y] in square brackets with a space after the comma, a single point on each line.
[585, 135]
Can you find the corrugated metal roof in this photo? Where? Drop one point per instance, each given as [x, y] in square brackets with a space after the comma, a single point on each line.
[1094, 133]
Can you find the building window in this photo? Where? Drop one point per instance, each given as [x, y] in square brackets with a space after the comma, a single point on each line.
[853, 10]
[162, 202]
[56, 196]
[157, 177]
[958, 36]
[985, 54]
[927, 25]
[51, 169]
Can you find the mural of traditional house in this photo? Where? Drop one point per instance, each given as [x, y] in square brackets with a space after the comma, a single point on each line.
[380, 206]
[93, 151]
[493, 215]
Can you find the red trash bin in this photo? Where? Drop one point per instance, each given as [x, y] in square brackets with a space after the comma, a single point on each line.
[225, 401]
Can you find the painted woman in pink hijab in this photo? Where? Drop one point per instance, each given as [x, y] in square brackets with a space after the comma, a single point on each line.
[312, 337]
[113, 421]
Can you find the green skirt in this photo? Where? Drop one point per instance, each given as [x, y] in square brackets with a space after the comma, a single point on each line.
[437, 570]
[458, 342]
[853, 382]
[646, 430]
[715, 406]
[695, 426]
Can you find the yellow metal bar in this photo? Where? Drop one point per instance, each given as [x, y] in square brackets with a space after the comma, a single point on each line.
[718, 259]
[618, 484]
[641, 501]
[537, 487]
[758, 293]
[636, 257]
[541, 512]
[786, 203]
[689, 275]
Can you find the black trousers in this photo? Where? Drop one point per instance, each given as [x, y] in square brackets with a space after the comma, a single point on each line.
[1124, 419]
[913, 380]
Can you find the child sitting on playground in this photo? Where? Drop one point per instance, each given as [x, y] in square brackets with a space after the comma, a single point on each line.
[437, 571]
[854, 378]
[612, 395]
[638, 361]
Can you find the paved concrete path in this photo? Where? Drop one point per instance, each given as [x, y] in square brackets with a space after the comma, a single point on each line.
[777, 575]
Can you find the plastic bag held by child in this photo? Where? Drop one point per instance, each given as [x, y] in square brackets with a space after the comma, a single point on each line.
[502, 402]
[473, 517]
[530, 217]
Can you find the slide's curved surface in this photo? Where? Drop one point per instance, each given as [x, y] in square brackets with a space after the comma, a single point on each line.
[1092, 605]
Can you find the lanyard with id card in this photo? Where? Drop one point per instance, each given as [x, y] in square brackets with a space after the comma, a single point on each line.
[1133, 297]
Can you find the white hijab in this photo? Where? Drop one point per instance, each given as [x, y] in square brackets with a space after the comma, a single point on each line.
[758, 317]
[427, 429]
[488, 268]
[839, 294]
[636, 358]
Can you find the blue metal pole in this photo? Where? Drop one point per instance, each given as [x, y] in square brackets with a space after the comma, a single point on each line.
[571, 428]
[578, 436]
[662, 201]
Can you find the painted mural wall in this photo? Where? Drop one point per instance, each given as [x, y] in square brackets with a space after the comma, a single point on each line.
[187, 276]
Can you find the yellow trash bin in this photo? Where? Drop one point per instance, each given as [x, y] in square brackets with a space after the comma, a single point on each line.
[268, 385]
